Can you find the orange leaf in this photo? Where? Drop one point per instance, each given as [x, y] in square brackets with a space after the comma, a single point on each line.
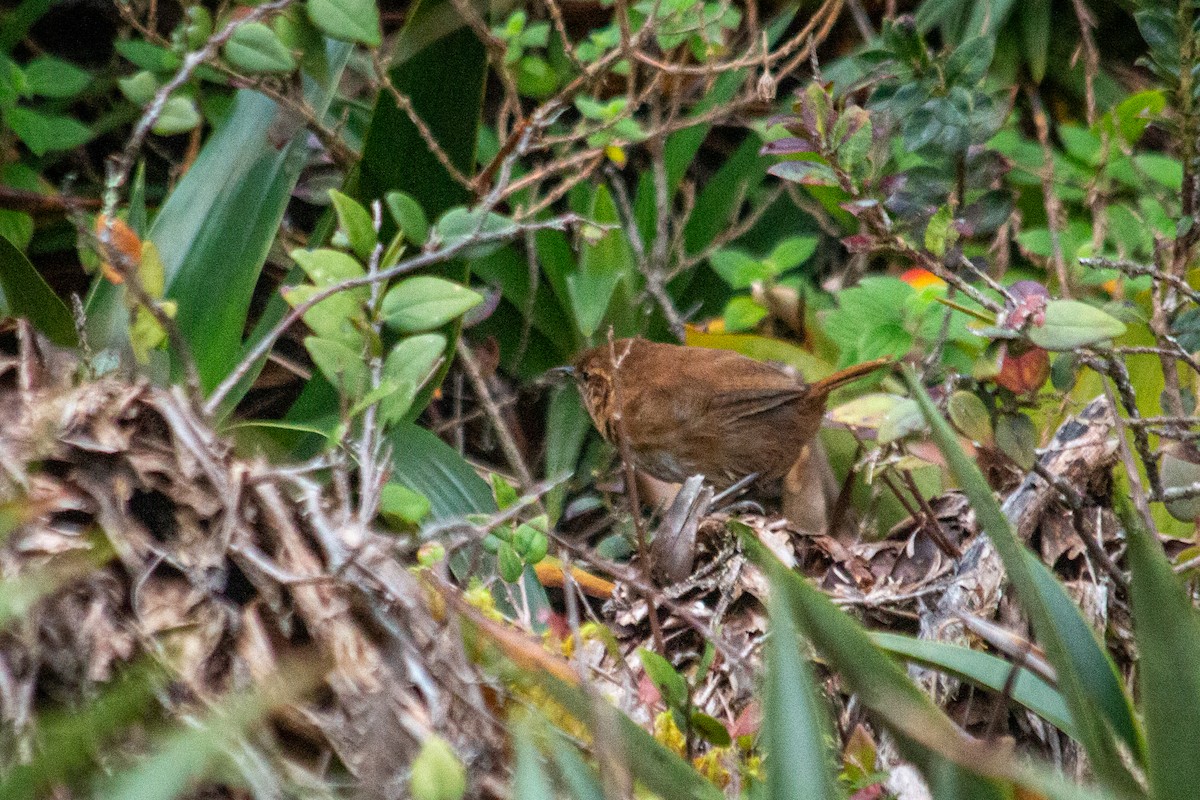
[123, 240]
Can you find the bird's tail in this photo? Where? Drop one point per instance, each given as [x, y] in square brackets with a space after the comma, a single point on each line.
[844, 376]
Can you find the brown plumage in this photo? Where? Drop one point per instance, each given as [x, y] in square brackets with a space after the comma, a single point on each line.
[690, 410]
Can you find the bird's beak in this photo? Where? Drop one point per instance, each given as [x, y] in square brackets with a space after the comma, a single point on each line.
[560, 374]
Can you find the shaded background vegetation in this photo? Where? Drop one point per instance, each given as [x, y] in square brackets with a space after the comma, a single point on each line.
[362, 548]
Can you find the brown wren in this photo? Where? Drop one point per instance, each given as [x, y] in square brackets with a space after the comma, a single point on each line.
[689, 410]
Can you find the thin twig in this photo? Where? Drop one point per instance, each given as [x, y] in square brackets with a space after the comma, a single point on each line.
[425, 259]
[512, 453]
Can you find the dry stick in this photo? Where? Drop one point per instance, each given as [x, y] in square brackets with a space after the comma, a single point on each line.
[1134, 269]
[639, 524]
[1140, 501]
[416, 262]
[1120, 377]
[926, 522]
[372, 470]
[1054, 210]
[635, 580]
[935, 527]
[1075, 503]
[1006, 693]
[512, 453]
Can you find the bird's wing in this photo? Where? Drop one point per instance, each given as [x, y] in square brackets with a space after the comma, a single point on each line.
[738, 406]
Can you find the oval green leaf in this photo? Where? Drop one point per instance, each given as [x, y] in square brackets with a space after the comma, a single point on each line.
[425, 302]
[179, 115]
[348, 20]
[255, 48]
[1070, 324]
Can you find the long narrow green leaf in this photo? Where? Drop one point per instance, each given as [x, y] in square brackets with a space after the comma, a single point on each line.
[573, 771]
[661, 771]
[215, 229]
[529, 778]
[567, 424]
[1168, 639]
[424, 463]
[1091, 725]
[795, 725]
[27, 295]
[981, 669]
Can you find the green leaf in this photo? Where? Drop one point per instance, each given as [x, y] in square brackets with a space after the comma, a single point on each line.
[504, 492]
[529, 778]
[410, 364]
[42, 132]
[509, 562]
[139, 88]
[12, 83]
[603, 263]
[255, 48]
[1168, 641]
[52, 77]
[355, 222]
[902, 419]
[437, 771]
[1133, 114]
[666, 678]
[567, 426]
[216, 227]
[408, 215]
[792, 252]
[970, 60]
[742, 314]
[459, 224]
[179, 115]
[536, 78]
[940, 233]
[401, 506]
[970, 416]
[326, 267]
[339, 316]
[1016, 437]
[982, 669]
[348, 20]
[1035, 22]
[740, 270]
[805, 173]
[147, 56]
[795, 722]
[341, 365]
[1176, 474]
[1071, 324]
[710, 729]
[28, 295]
[426, 464]
[579, 778]
[426, 302]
